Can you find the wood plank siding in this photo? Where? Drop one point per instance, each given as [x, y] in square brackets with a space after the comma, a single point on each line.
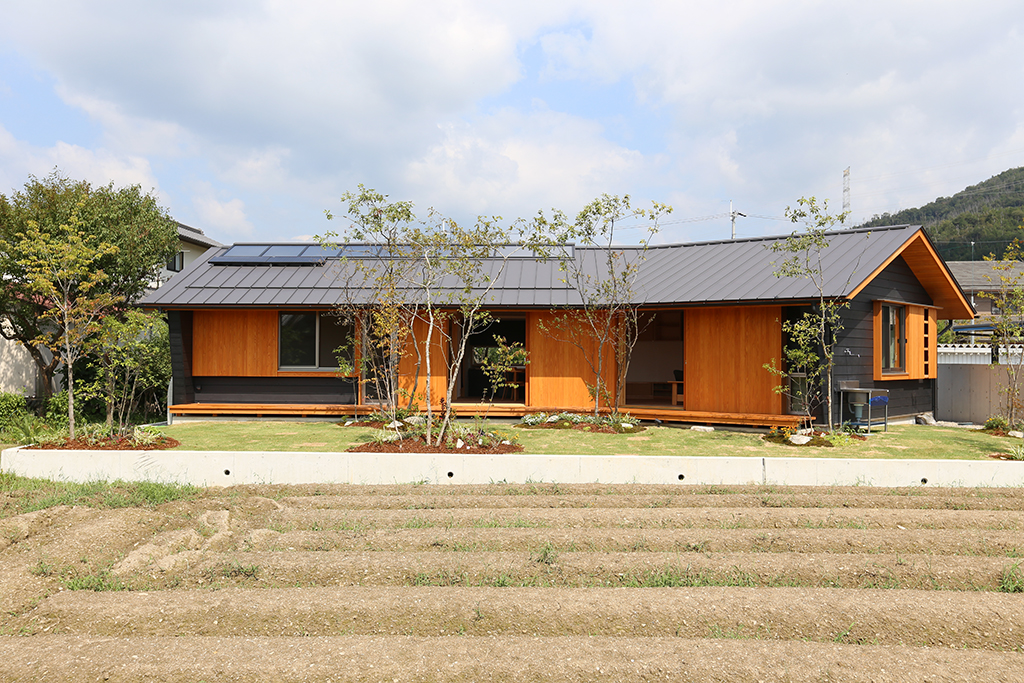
[558, 372]
[235, 343]
[725, 350]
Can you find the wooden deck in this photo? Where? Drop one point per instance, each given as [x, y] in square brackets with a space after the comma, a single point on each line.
[504, 410]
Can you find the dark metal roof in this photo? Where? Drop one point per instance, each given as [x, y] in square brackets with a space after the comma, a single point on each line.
[729, 271]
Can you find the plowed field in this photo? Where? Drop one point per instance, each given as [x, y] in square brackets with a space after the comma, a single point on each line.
[520, 583]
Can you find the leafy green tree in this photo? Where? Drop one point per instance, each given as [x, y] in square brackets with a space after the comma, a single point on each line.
[132, 361]
[606, 325]
[62, 273]
[127, 218]
[813, 336]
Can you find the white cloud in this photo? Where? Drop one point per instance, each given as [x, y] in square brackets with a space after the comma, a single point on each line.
[538, 159]
[19, 159]
[223, 216]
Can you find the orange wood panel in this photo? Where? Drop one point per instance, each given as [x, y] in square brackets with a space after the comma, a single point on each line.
[916, 344]
[413, 369]
[238, 343]
[558, 372]
[725, 350]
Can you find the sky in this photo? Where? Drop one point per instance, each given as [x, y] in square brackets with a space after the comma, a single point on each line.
[249, 119]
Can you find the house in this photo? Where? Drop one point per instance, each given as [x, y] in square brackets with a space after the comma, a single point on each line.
[252, 330]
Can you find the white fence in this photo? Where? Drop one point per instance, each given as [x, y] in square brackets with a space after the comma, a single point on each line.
[969, 386]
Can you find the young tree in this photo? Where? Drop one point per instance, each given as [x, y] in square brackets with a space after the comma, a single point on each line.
[127, 218]
[1008, 297]
[459, 269]
[375, 272]
[605, 326]
[810, 354]
[62, 274]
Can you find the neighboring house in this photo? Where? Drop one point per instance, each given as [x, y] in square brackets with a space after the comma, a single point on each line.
[192, 244]
[715, 311]
[981, 281]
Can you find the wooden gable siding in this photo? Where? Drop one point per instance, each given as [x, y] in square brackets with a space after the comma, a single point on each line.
[234, 343]
[725, 350]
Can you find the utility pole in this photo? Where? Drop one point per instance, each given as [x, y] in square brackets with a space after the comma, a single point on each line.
[732, 215]
[846, 190]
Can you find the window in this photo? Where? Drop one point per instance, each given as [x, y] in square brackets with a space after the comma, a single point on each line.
[905, 341]
[309, 341]
[176, 263]
[894, 342]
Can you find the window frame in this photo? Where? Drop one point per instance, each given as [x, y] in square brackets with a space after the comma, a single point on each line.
[917, 343]
[317, 351]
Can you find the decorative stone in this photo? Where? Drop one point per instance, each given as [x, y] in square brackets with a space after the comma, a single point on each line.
[506, 443]
[414, 420]
[350, 423]
[626, 425]
[1019, 435]
[394, 425]
[799, 439]
[460, 444]
[925, 419]
[553, 418]
[701, 428]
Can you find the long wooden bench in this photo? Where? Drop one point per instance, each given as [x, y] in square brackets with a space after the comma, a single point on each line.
[666, 414]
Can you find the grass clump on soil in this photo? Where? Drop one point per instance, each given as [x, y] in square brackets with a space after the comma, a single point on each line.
[674, 577]
[1012, 579]
[100, 581]
[19, 495]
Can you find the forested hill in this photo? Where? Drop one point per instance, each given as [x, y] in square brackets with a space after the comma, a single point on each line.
[990, 214]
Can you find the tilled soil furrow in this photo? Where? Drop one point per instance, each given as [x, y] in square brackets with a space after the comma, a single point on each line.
[436, 538]
[648, 518]
[924, 499]
[547, 567]
[460, 658]
[895, 617]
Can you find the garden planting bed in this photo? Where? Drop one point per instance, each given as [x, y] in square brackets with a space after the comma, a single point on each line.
[520, 582]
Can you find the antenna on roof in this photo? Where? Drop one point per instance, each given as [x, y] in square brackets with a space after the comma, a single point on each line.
[732, 215]
[846, 190]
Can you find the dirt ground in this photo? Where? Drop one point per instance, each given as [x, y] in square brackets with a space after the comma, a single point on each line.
[540, 582]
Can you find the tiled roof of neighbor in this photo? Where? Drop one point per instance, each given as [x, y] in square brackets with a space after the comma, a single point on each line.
[196, 236]
[976, 276]
[729, 271]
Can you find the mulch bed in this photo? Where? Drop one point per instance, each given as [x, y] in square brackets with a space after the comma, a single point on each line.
[114, 443]
[418, 445]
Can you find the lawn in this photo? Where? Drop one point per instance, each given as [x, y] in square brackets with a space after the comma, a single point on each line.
[901, 441]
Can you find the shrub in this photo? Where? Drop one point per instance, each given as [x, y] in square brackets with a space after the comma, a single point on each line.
[12, 408]
[997, 423]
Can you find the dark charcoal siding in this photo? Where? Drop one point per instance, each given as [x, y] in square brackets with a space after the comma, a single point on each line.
[856, 343]
[315, 390]
[179, 327]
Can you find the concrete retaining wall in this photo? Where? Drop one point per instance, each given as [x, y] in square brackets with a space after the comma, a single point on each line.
[219, 468]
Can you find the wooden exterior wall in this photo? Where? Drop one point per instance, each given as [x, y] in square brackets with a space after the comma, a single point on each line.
[238, 343]
[725, 350]
[411, 380]
[558, 372]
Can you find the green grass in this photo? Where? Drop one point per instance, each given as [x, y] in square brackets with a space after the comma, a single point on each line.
[901, 441]
[21, 494]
